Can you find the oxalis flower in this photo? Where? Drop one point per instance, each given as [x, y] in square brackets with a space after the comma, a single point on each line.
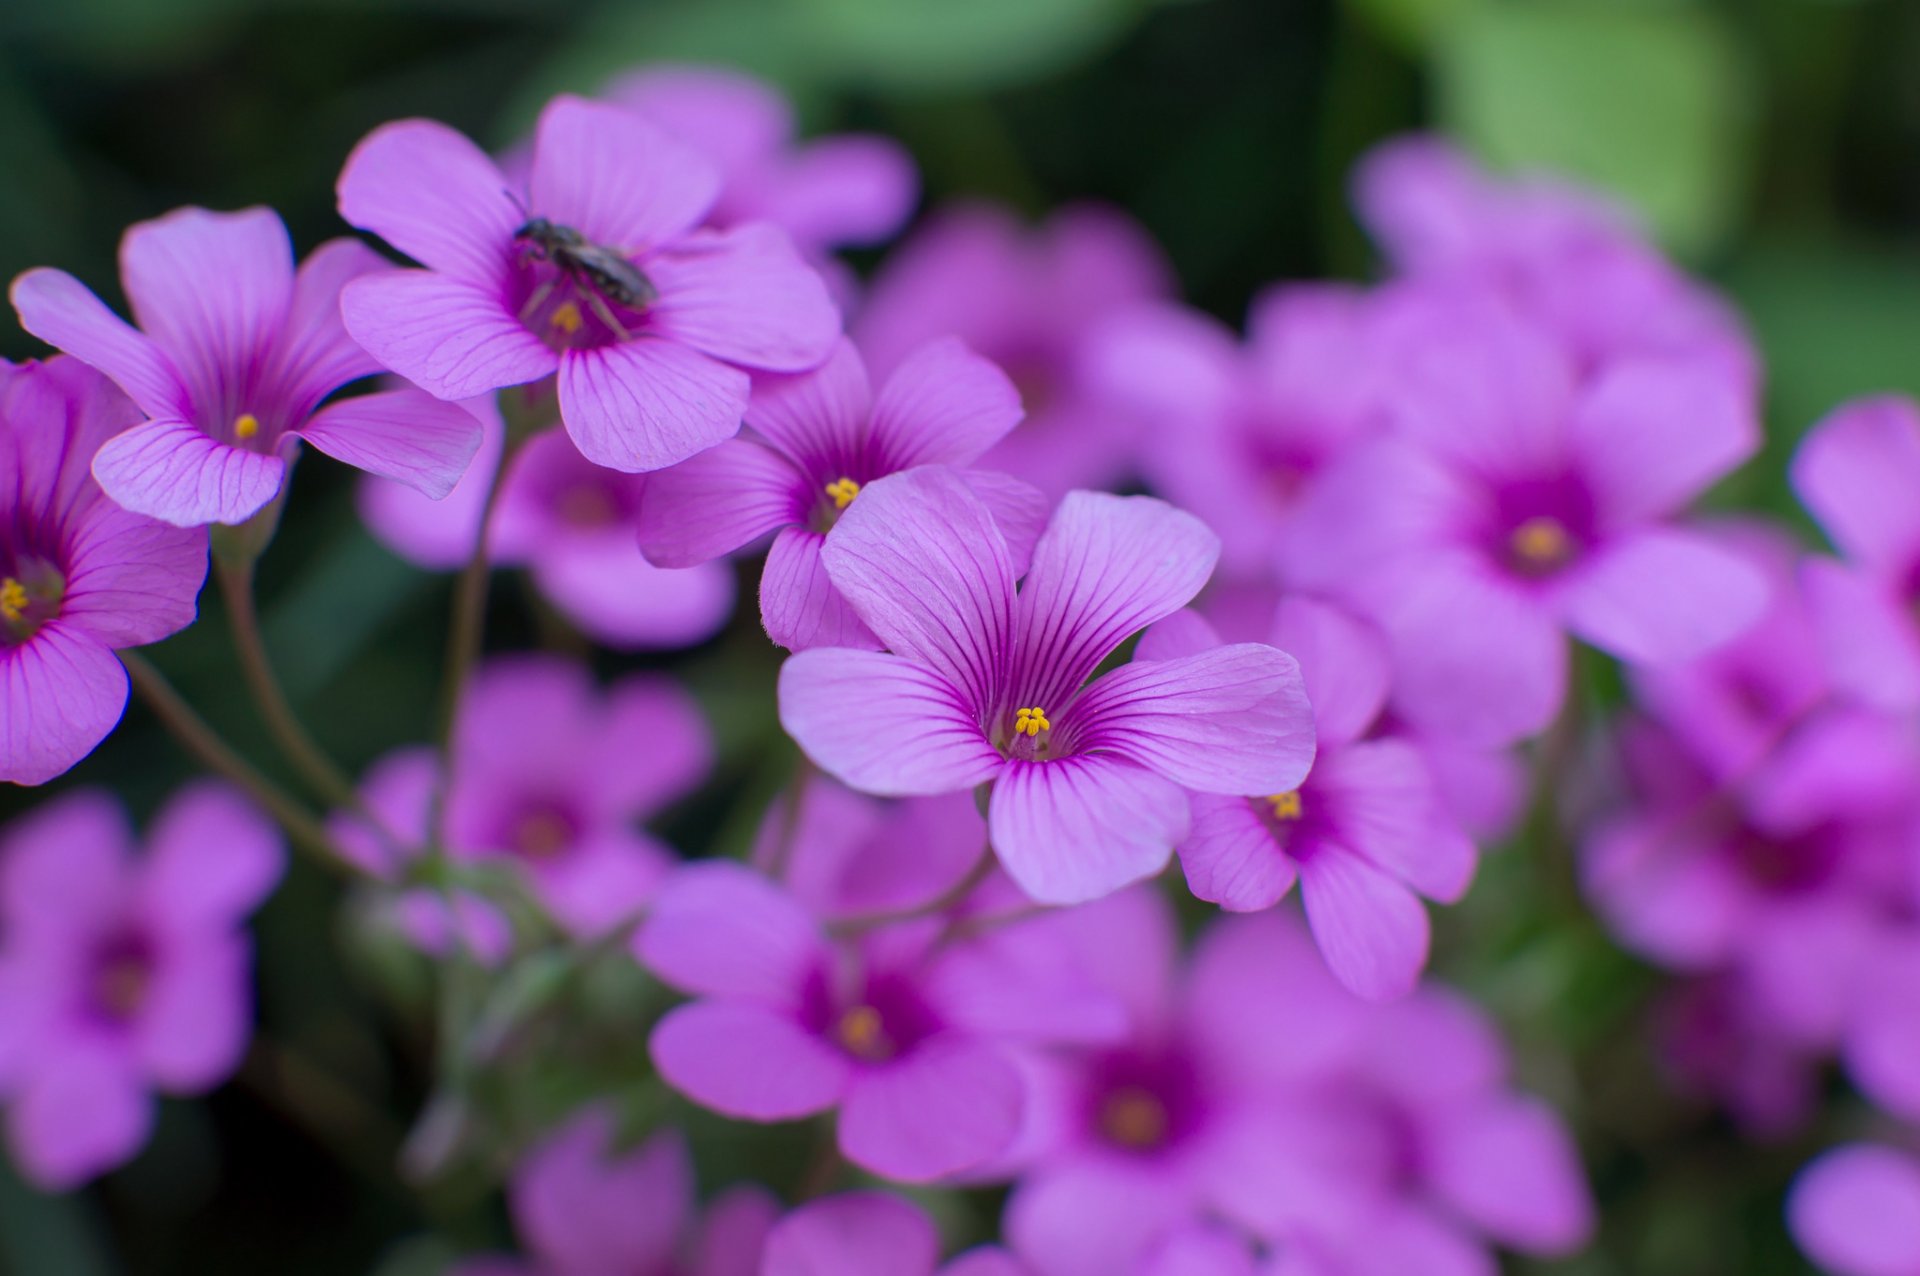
[819, 438]
[983, 686]
[79, 576]
[598, 276]
[233, 357]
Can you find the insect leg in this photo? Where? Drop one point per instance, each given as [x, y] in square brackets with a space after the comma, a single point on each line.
[605, 313]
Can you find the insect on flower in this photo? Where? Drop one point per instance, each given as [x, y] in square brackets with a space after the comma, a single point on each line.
[598, 274]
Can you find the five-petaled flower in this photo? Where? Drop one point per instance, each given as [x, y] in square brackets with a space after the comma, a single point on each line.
[601, 277]
[235, 353]
[981, 685]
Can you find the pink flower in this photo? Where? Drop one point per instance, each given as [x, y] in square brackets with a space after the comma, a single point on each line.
[985, 686]
[911, 1039]
[1516, 503]
[1028, 299]
[1855, 473]
[871, 1234]
[571, 523]
[819, 439]
[80, 577]
[235, 353]
[847, 189]
[1365, 832]
[1856, 1211]
[119, 976]
[649, 349]
[582, 1207]
[1240, 433]
[550, 778]
[1563, 256]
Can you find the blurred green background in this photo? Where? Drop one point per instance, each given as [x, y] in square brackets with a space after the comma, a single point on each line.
[1771, 144]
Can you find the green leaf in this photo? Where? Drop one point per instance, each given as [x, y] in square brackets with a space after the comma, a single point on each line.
[1412, 24]
[1650, 102]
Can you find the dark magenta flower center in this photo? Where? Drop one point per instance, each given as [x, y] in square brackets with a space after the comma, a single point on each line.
[1143, 1102]
[32, 589]
[120, 977]
[541, 831]
[881, 1019]
[1540, 527]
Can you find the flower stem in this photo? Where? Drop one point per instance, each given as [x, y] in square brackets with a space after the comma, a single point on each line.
[934, 907]
[323, 775]
[201, 740]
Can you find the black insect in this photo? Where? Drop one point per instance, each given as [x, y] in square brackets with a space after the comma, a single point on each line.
[601, 274]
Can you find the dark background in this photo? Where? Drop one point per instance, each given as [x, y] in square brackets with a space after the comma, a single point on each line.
[1771, 144]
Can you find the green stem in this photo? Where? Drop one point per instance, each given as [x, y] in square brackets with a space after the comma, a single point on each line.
[201, 740]
[946, 900]
[328, 780]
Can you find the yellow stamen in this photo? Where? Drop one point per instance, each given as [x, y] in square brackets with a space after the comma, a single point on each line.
[1542, 542]
[566, 318]
[1030, 721]
[1134, 1118]
[1285, 806]
[246, 426]
[13, 599]
[863, 1034]
[542, 835]
[122, 986]
[843, 490]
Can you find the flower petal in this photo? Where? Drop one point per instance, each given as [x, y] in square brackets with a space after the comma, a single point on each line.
[574, 1197]
[213, 856]
[68, 1123]
[452, 338]
[1370, 928]
[64, 313]
[1231, 859]
[720, 929]
[1231, 720]
[617, 598]
[60, 694]
[620, 180]
[1507, 1164]
[919, 558]
[314, 355]
[747, 1061]
[1078, 828]
[1856, 1210]
[430, 192]
[193, 1026]
[132, 581]
[1019, 510]
[1660, 595]
[799, 605]
[944, 404]
[883, 724]
[1652, 435]
[399, 434]
[746, 296]
[1344, 661]
[846, 189]
[819, 417]
[853, 1234]
[713, 503]
[213, 290]
[1866, 632]
[1384, 805]
[946, 1106]
[643, 405]
[172, 471]
[1106, 567]
[1857, 471]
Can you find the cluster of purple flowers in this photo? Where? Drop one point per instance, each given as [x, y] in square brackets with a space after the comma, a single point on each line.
[1383, 518]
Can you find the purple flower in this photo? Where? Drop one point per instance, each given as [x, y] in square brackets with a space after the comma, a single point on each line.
[820, 438]
[1882, 1033]
[550, 777]
[120, 976]
[1236, 433]
[1364, 833]
[234, 355]
[871, 1234]
[1856, 1211]
[1856, 473]
[1718, 1041]
[80, 577]
[649, 335]
[1517, 503]
[912, 1039]
[848, 189]
[583, 1207]
[986, 686]
[1565, 257]
[1028, 299]
[571, 523]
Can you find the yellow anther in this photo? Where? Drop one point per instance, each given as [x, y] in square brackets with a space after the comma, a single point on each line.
[13, 599]
[843, 490]
[566, 318]
[864, 1035]
[1030, 721]
[1134, 1118]
[1285, 806]
[246, 426]
[1542, 542]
